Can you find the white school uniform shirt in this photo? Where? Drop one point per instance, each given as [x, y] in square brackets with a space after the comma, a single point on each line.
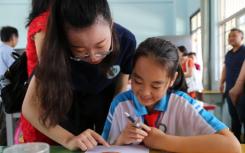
[181, 116]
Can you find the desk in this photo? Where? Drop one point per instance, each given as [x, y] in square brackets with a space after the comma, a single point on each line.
[210, 96]
[61, 149]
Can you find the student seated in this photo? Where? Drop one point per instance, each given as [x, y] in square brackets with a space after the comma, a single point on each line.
[172, 120]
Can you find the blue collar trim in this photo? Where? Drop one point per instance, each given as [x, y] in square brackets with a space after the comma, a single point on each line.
[162, 105]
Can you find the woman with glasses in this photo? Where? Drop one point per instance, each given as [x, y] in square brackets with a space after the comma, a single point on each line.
[84, 62]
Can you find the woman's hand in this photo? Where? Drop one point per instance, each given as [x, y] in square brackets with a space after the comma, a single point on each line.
[86, 141]
[236, 93]
[153, 140]
[132, 134]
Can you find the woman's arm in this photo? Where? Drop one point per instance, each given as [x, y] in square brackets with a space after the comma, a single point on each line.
[121, 84]
[30, 110]
[190, 72]
[38, 39]
[222, 141]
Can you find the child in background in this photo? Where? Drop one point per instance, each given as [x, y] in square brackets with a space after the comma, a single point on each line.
[172, 120]
[187, 66]
[192, 55]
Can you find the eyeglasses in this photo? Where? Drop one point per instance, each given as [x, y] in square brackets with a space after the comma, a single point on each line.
[102, 53]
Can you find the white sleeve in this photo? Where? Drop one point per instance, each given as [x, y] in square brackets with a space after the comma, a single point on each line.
[112, 126]
[195, 120]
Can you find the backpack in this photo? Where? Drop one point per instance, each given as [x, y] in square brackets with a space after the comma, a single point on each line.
[14, 93]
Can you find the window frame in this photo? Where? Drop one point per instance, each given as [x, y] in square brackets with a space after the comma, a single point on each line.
[195, 14]
[222, 38]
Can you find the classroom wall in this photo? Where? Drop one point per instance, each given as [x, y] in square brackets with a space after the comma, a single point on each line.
[193, 6]
[148, 18]
[145, 18]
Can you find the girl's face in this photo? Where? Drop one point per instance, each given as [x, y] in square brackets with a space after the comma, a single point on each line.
[150, 82]
[88, 41]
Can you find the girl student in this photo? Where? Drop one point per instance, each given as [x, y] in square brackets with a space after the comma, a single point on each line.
[84, 62]
[172, 120]
[188, 71]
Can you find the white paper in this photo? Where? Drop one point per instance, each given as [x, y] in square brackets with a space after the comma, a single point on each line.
[120, 149]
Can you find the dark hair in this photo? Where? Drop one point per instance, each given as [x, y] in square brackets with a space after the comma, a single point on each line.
[7, 32]
[236, 29]
[53, 72]
[38, 7]
[183, 50]
[192, 53]
[165, 54]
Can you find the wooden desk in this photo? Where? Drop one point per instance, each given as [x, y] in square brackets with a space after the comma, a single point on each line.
[209, 96]
[210, 92]
[61, 149]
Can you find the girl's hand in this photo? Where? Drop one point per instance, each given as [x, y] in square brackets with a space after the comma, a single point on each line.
[153, 140]
[132, 134]
[236, 93]
[86, 141]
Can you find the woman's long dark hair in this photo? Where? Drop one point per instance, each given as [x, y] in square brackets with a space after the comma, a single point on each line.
[166, 55]
[53, 72]
[38, 7]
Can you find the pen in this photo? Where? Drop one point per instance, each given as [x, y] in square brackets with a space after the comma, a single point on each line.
[132, 120]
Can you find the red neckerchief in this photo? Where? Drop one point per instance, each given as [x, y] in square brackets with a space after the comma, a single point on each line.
[151, 120]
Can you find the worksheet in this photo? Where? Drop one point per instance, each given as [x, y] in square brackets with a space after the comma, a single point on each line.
[120, 149]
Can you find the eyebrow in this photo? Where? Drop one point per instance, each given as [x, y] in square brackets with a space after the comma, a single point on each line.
[84, 47]
[158, 82]
[137, 76]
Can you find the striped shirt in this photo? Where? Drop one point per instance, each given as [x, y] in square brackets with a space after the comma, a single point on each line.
[181, 116]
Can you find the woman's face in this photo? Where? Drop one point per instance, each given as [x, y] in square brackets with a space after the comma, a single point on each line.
[150, 82]
[90, 40]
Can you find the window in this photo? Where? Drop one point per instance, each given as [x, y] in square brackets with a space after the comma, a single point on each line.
[231, 15]
[228, 26]
[229, 7]
[242, 25]
[195, 20]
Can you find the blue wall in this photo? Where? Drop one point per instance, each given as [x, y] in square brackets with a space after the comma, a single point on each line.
[193, 6]
[147, 18]
[144, 18]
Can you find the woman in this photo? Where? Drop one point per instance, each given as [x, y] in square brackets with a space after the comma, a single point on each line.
[85, 62]
[188, 70]
[36, 23]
